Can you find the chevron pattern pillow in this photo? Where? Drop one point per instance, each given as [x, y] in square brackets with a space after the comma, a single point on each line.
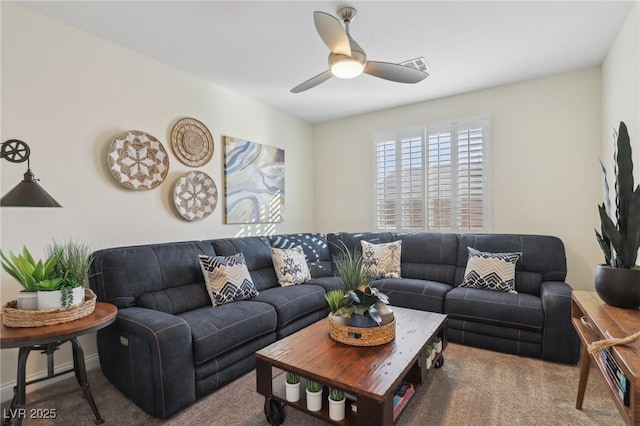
[290, 265]
[491, 271]
[227, 278]
[381, 260]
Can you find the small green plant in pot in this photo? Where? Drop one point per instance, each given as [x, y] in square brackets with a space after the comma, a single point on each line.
[292, 387]
[73, 267]
[336, 404]
[617, 282]
[365, 308]
[32, 275]
[314, 395]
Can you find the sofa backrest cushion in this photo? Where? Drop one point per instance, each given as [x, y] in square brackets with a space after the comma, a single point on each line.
[257, 254]
[429, 256]
[543, 257]
[351, 240]
[315, 247]
[164, 277]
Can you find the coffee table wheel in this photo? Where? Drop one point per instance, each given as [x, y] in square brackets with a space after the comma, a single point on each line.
[273, 411]
[440, 362]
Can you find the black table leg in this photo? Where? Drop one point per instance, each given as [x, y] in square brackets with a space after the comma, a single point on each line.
[81, 375]
[16, 410]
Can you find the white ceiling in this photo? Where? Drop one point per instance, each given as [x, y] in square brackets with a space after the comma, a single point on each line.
[262, 49]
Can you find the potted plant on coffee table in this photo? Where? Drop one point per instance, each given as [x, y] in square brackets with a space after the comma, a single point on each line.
[349, 268]
[73, 267]
[292, 387]
[617, 282]
[365, 309]
[31, 275]
[336, 404]
[336, 301]
[314, 395]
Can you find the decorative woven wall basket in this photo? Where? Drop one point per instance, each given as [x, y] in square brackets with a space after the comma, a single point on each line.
[13, 317]
[358, 336]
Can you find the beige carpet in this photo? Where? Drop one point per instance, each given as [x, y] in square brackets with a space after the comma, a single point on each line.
[474, 387]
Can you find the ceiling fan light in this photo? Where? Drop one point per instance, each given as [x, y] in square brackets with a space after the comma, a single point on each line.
[347, 68]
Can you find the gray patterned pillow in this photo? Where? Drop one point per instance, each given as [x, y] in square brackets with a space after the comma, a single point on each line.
[227, 278]
[491, 271]
[290, 265]
[381, 260]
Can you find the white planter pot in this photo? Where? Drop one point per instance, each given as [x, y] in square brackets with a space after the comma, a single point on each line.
[314, 400]
[340, 320]
[292, 391]
[78, 296]
[336, 409]
[429, 361]
[433, 356]
[49, 300]
[439, 347]
[27, 300]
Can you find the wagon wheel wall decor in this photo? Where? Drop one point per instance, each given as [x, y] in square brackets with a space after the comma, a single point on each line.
[191, 142]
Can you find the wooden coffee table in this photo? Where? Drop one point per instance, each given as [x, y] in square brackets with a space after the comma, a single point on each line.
[371, 374]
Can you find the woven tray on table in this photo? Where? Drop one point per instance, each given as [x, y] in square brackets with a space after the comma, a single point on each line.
[358, 336]
[13, 317]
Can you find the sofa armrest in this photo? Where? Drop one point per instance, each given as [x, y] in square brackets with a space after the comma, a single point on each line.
[560, 342]
[148, 355]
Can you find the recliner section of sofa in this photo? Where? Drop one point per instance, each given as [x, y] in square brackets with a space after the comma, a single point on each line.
[169, 346]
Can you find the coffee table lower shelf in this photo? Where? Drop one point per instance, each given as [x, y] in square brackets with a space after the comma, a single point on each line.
[275, 400]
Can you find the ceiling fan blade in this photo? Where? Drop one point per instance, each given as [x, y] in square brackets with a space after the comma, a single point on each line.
[312, 82]
[395, 72]
[331, 32]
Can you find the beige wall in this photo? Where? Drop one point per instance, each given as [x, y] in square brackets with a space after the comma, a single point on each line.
[545, 149]
[621, 90]
[66, 94]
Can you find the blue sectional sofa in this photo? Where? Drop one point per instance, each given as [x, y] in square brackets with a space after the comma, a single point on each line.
[169, 346]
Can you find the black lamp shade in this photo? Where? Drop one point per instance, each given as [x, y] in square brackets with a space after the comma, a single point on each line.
[28, 193]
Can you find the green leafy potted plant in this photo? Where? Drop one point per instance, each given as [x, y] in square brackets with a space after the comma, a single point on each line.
[349, 268]
[365, 308]
[31, 275]
[73, 267]
[336, 404]
[292, 387]
[314, 395]
[617, 282]
[336, 301]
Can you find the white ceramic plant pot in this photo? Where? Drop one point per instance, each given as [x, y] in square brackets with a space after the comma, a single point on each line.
[78, 296]
[439, 347]
[314, 400]
[429, 361]
[432, 356]
[340, 320]
[292, 391]
[49, 300]
[336, 409]
[27, 300]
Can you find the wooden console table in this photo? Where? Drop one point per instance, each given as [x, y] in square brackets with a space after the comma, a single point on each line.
[48, 339]
[594, 320]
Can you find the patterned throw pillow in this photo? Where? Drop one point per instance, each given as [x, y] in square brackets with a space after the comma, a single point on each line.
[381, 260]
[227, 278]
[290, 265]
[491, 271]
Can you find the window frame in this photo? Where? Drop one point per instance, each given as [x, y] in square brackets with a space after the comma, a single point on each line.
[483, 121]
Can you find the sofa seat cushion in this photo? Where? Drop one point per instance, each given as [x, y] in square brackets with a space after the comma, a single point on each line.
[328, 283]
[413, 293]
[522, 311]
[293, 302]
[216, 330]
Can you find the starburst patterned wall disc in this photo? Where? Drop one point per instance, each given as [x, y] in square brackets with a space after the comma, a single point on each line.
[195, 195]
[138, 160]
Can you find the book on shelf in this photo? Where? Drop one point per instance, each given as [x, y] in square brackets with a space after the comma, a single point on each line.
[401, 396]
[615, 376]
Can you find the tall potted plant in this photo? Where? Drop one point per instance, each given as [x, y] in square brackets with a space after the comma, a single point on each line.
[73, 267]
[617, 282]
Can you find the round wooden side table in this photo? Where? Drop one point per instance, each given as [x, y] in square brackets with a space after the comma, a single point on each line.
[48, 339]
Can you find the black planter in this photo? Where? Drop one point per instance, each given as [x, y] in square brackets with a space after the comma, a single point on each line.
[363, 321]
[618, 287]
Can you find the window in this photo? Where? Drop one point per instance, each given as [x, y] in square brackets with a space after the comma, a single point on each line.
[433, 178]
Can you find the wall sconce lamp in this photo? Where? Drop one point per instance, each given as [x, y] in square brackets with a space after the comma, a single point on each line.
[27, 193]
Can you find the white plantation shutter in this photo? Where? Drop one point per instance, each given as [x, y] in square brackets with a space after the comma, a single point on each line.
[433, 179]
[399, 182]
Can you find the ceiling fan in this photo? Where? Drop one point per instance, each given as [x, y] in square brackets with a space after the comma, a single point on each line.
[347, 59]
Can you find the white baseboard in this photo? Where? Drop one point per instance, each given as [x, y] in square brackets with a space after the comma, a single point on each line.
[6, 391]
